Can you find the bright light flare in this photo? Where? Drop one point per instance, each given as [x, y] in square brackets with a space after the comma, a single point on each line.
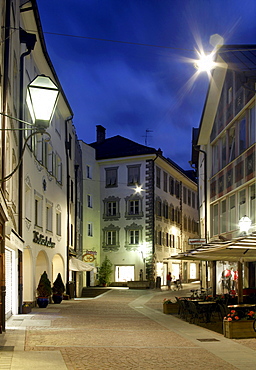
[205, 63]
[138, 189]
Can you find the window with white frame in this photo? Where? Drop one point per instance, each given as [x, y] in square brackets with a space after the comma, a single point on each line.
[133, 206]
[49, 211]
[171, 185]
[184, 195]
[111, 238]
[133, 236]
[38, 209]
[223, 152]
[133, 174]
[39, 148]
[111, 207]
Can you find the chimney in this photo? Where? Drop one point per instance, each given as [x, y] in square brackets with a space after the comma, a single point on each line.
[101, 134]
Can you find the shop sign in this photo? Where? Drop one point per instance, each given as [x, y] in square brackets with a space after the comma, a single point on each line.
[40, 239]
[89, 256]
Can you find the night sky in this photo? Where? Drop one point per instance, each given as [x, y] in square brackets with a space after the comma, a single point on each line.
[143, 77]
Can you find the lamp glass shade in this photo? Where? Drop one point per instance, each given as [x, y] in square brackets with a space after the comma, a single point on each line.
[42, 96]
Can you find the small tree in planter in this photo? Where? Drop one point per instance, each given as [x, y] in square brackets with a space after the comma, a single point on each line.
[44, 290]
[58, 289]
[105, 271]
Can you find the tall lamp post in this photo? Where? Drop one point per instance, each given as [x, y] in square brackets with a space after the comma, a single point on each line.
[42, 97]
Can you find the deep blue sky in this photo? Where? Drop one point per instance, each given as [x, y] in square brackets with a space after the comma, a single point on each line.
[130, 88]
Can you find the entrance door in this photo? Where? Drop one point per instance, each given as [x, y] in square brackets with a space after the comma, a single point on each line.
[9, 282]
[124, 273]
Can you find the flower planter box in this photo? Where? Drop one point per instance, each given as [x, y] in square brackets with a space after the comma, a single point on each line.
[170, 308]
[238, 329]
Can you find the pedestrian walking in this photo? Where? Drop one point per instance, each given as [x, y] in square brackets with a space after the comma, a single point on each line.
[169, 280]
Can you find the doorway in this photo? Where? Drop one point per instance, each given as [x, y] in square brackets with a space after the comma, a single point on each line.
[124, 273]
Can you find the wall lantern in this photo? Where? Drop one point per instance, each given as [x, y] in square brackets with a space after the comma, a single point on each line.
[245, 224]
[42, 96]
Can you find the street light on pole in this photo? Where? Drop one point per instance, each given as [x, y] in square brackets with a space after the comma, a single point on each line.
[42, 97]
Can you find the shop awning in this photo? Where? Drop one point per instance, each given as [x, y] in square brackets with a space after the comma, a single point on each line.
[77, 265]
[241, 249]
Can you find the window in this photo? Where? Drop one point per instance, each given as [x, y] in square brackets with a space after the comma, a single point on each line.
[133, 206]
[49, 157]
[232, 212]
[58, 222]
[252, 123]
[134, 237]
[89, 201]
[252, 203]
[171, 185]
[177, 189]
[215, 157]
[189, 197]
[165, 210]
[28, 200]
[193, 200]
[111, 177]
[88, 172]
[165, 181]
[49, 216]
[38, 209]
[223, 217]
[167, 240]
[184, 195]
[223, 152]
[231, 144]
[111, 207]
[159, 207]
[158, 177]
[39, 148]
[242, 204]
[185, 223]
[58, 173]
[133, 175]
[89, 229]
[215, 219]
[242, 135]
[159, 234]
[111, 237]
[71, 234]
[72, 191]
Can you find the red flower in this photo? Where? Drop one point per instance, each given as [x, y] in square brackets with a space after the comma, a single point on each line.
[229, 319]
[237, 317]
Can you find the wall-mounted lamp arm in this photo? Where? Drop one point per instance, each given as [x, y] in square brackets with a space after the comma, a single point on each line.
[6, 178]
[16, 119]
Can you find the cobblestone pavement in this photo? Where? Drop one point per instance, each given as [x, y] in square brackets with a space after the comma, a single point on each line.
[122, 329]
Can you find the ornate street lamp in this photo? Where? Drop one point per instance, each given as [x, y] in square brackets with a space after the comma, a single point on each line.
[42, 97]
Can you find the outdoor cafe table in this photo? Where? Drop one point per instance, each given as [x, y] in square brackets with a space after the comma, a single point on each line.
[207, 305]
[243, 308]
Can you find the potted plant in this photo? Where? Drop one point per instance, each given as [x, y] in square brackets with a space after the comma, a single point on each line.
[44, 290]
[58, 289]
[169, 307]
[105, 272]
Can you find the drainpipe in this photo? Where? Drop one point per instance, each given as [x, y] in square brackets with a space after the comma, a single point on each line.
[197, 147]
[68, 148]
[3, 136]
